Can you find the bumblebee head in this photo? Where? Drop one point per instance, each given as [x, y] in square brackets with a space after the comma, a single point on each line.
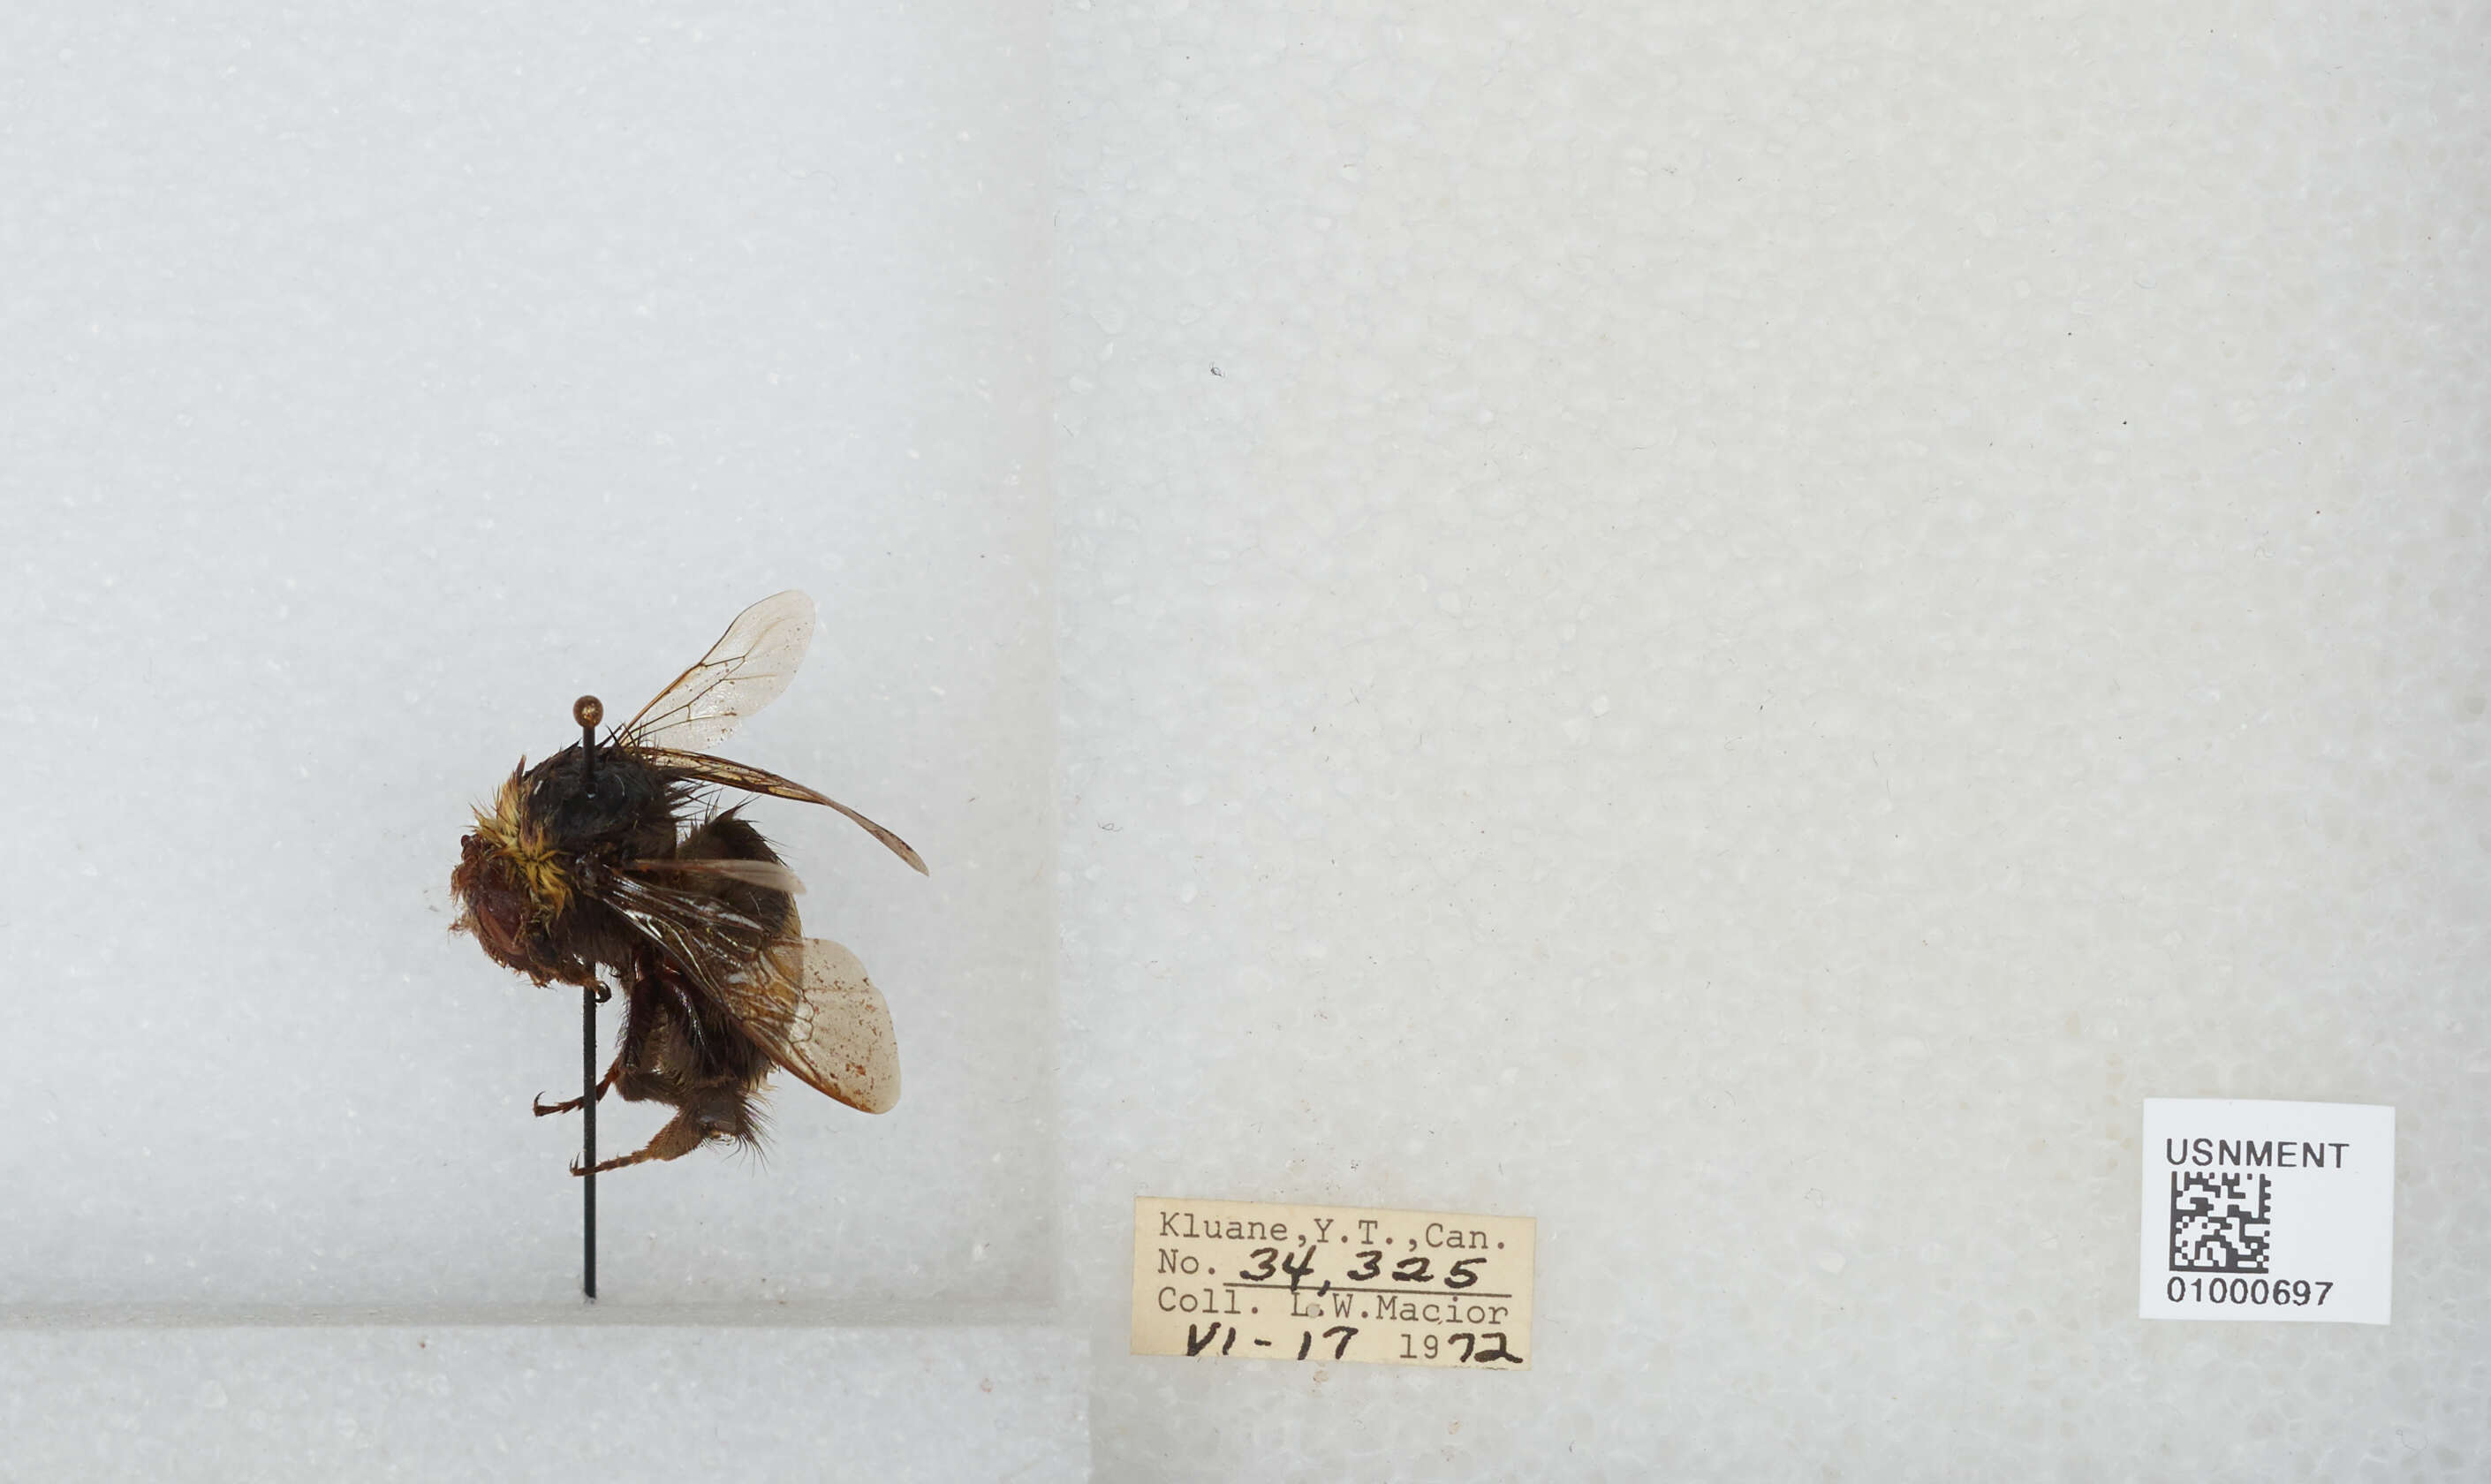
[511, 882]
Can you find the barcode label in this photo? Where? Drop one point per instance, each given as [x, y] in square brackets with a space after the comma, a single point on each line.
[2220, 1221]
[2267, 1211]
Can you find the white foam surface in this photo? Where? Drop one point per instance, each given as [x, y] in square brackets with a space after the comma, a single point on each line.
[1736, 628]
[380, 381]
[557, 1402]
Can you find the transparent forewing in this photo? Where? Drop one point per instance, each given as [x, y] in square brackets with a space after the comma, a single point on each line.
[722, 948]
[839, 1038]
[717, 770]
[807, 1004]
[742, 672]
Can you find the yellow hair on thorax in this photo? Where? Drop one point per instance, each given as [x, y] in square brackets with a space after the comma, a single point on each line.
[522, 842]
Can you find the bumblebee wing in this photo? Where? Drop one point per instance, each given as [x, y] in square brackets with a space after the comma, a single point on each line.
[705, 769]
[742, 672]
[770, 873]
[806, 1002]
[719, 943]
[840, 1039]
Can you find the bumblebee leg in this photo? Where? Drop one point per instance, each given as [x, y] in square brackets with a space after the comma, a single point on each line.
[636, 1025]
[673, 1142]
[541, 1107]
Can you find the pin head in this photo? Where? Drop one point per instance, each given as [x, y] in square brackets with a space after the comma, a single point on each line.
[588, 711]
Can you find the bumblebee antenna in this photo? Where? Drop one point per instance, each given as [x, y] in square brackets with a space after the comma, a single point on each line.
[588, 711]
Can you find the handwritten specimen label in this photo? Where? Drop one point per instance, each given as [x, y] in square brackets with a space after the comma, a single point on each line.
[1241, 1280]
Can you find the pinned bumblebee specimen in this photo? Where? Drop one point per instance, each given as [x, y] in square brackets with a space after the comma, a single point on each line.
[609, 865]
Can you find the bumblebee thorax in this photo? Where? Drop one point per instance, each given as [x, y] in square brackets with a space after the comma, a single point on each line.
[629, 809]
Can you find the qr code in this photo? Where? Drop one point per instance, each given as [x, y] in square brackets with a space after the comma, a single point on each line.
[2218, 1222]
